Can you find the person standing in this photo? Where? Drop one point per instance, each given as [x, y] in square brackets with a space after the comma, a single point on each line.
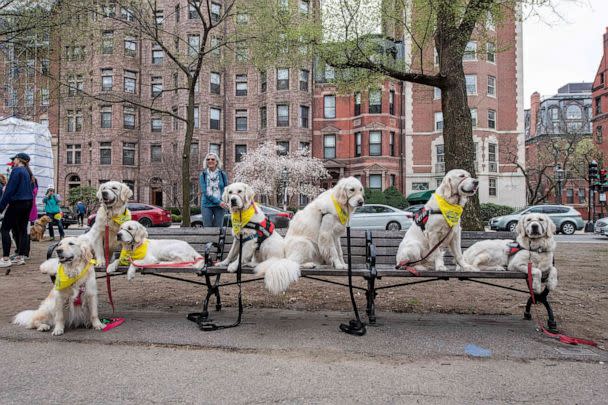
[51, 202]
[2, 184]
[18, 197]
[212, 182]
[81, 211]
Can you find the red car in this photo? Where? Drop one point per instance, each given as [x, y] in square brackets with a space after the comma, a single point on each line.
[146, 214]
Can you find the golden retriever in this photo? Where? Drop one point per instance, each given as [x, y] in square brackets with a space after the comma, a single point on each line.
[75, 256]
[456, 188]
[37, 230]
[535, 244]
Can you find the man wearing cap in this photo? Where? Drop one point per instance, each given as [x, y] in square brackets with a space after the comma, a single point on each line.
[17, 200]
[51, 202]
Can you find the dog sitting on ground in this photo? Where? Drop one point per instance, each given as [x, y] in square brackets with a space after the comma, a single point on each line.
[138, 249]
[262, 246]
[37, 230]
[534, 243]
[438, 225]
[75, 289]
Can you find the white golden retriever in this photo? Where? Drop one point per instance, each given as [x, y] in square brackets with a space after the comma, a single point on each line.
[133, 237]
[535, 244]
[113, 197]
[456, 188]
[261, 245]
[75, 255]
[314, 233]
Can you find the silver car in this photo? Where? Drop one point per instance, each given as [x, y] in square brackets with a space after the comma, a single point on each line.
[378, 216]
[601, 226]
[567, 219]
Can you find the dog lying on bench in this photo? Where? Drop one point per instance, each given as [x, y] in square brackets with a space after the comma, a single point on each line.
[138, 249]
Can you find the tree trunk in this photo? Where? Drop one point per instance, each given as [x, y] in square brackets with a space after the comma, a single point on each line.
[186, 186]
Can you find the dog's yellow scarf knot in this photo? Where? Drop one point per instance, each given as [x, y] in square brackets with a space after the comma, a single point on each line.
[242, 218]
[343, 216]
[63, 281]
[122, 218]
[137, 253]
[451, 212]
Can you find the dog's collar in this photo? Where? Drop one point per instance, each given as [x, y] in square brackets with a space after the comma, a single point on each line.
[63, 281]
[343, 215]
[122, 218]
[451, 212]
[137, 253]
[515, 247]
[241, 218]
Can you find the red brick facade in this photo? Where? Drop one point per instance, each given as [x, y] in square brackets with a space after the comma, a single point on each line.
[600, 101]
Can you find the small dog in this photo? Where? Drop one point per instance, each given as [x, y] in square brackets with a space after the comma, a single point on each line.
[260, 243]
[37, 230]
[534, 243]
[75, 278]
[138, 249]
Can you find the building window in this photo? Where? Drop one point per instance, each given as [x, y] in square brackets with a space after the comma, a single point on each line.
[175, 111]
[156, 87]
[216, 11]
[420, 186]
[282, 115]
[242, 18]
[157, 56]
[357, 104]
[391, 102]
[215, 148]
[554, 114]
[440, 155]
[263, 81]
[130, 46]
[491, 86]
[194, 152]
[192, 6]
[156, 124]
[215, 81]
[436, 58]
[107, 42]
[471, 83]
[105, 153]
[75, 86]
[491, 119]
[282, 79]
[598, 105]
[214, 118]
[492, 187]
[29, 96]
[304, 113]
[391, 144]
[216, 48]
[304, 80]
[130, 81]
[438, 121]
[436, 93]
[569, 196]
[599, 136]
[194, 44]
[128, 154]
[239, 152]
[304, 7]
[470, 52]
[241, 53]
[156, 153]
[357, 144]
[128, 117]
[491, 52]
[263, 117]
[574, 112]
[282, 148]
[106, 116]
[329, 146]
[74, 154]
[240, 120]
[106, 79]
[241, 85]
[74, 120]
[375, 143]
[196, 117]
[375, 182]
[375, 101]
[159, 17]
[304, 147]
[474, 117]
[329, 106]
[582, 196]
[493, 166]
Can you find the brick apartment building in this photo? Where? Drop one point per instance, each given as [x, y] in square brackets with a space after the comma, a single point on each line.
[600, 101]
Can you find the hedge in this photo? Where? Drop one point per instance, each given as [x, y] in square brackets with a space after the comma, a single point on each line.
[489, 210]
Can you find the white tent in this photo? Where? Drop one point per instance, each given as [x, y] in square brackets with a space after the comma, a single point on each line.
[34, 139]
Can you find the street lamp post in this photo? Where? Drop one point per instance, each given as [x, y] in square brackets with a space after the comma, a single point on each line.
[559, 178]
[285, 179]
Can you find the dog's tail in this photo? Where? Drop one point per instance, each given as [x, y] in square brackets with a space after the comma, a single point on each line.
[25, 318]
[278, 274]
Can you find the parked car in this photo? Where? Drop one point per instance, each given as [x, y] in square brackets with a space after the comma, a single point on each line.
[279, 217]
[567, 219]
[601, 226]
[378, 216]
[69, 216]
[146, 214]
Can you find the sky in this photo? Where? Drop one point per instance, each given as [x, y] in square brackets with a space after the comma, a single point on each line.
[564, 47]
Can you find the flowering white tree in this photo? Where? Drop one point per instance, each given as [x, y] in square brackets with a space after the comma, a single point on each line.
[262, 169]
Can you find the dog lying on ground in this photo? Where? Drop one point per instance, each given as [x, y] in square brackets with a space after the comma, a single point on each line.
[138, 249]
[37, 230]
[113, 197]
[262, 246]
[534, 243]
[75, 290]
[314, 233]
[432, 229]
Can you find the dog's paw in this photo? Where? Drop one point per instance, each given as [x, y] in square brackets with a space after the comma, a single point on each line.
[441, 267]
[233, 267]
[223, 263]
[97, 325]
[130, 276]
[43, 327]
[309, 265]
[536, 286]
[112, 267]
[57, 331]
[100, 262]
[468, 267]
[340, 266]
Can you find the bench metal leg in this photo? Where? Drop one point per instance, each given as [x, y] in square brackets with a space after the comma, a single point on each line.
[370, 295]
[218, 300]
[542, 298]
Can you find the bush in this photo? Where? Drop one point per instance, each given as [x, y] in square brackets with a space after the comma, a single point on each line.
[177, 211]
[391, 196]
[489, 210]
[176, 218]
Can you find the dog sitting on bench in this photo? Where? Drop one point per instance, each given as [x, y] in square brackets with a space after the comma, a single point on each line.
[138, 249]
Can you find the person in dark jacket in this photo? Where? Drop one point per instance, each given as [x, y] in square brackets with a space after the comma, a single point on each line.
[17, 200]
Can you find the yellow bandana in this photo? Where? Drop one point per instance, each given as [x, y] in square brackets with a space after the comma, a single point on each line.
[58, 215]
[63, 281]
[122, 218]
[126, 256]
[342, 215]
[242, 218]
[451, 212]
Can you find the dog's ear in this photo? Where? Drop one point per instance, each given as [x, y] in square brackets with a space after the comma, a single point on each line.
[249, 195]
[340, 192]
[99, 190]
[445, 188]
[225, 197]
[519, 229]
[141, 233]
[125, 192]
[86, 248]
[551, 228]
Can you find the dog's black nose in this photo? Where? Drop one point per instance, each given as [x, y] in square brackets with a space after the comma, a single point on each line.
[360, 203]
[476, 182]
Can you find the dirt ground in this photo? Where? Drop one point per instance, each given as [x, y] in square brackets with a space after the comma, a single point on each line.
[580, 302]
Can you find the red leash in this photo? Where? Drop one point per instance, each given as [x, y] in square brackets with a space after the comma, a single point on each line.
[107, 256]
